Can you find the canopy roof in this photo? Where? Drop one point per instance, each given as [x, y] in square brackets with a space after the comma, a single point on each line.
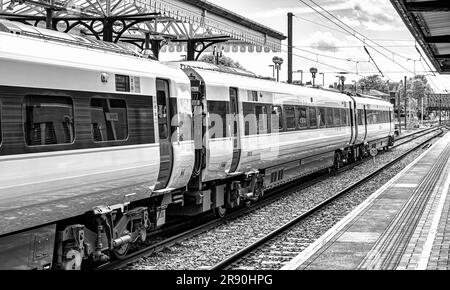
[174, 20]
[429, 23]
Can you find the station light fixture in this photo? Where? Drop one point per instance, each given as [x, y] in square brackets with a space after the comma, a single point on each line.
[313, 72]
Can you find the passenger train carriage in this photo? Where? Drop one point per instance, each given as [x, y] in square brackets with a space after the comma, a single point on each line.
[98, 144]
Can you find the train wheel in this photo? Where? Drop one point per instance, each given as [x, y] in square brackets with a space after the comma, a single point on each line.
[121, 251]
[220, 211]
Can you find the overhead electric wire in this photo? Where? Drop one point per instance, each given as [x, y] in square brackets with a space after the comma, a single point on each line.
[355, 46]
[390, 72]
[353, 32]
[322, 63]
[374, 63]
[320, 24]
[421, 57]
[324, 55]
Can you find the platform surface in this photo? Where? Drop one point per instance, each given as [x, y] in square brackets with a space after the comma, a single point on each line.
[403, 225]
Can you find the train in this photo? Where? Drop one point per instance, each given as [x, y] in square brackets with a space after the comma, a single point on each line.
[99, 145]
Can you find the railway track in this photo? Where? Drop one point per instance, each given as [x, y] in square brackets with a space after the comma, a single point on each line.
[234, 260]
[413, 136]
[191, 228]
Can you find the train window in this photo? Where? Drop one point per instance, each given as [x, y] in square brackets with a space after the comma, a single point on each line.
[290, 117]
[1, 124]
[372, 117]
[329, 117]
[250, 122]
[321, 116]
[360, 116]
[312, 120]
[252, 96]
[1, 135]
[162, 96]
[336, 117]
[109, 119]
[218, 111]
[301, 117]
[277, 119]
[344, 117]
[48, 120]
[369, 117]
[262, 119]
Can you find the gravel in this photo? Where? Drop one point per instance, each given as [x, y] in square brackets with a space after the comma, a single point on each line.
[209, 248]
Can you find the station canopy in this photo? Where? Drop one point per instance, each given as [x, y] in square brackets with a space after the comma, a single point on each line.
[429, 23]
[192, 26]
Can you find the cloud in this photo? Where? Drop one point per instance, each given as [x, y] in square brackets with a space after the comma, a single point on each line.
[373, 15]
[323, 41]
[331, 6]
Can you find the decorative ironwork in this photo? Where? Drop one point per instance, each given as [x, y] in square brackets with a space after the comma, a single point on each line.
[146, 24]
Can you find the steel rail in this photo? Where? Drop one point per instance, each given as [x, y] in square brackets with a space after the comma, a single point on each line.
[269, 197]
[415, 135]
[250, 248]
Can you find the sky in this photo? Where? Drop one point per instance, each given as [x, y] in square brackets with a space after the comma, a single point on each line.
[316, 38]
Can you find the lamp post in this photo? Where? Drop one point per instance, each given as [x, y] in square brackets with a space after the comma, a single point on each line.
[339, 83]
[342, 78]
[273, 70]
[301, 75]
[217, 55]
[313, 72]
[323, 79]
[278, 61]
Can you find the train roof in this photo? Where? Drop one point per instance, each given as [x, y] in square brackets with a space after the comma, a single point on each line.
[25, 43]
[214, 67]
[252, 82]
[213, 75]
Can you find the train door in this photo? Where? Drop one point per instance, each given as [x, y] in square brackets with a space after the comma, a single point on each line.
[365, 122]
[353, 126]
[234, 129]
[165, 145]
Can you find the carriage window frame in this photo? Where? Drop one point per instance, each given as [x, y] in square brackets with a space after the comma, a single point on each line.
[280, 119]
[221, 109]
[323, 120]
[309, 119]
[262, 118]
[329, 117]
[299, 117]
[291, 117]
[336, 117]
[25, 124]
[1, 123]
[344, 117]
[360, 117]
[99, 97]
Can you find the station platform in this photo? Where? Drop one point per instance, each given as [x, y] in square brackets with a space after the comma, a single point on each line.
[403, 225]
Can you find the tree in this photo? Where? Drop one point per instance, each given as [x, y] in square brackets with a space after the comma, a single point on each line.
[373, 82]
[224, 60]
[417, 88]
